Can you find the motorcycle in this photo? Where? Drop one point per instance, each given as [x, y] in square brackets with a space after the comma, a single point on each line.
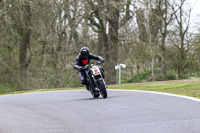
[94, 77]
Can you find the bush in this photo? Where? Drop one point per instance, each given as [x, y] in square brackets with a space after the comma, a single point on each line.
[72, 79]
[144, 76]
[7, 88]
[72, 83]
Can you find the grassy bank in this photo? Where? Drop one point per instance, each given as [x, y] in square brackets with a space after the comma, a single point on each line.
[40, 90]
[180, 87]
[187, 89]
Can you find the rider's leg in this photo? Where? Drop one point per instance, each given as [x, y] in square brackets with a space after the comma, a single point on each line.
[82, 76]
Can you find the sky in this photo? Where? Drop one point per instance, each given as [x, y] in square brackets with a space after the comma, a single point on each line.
[195, 4]
[195, 14]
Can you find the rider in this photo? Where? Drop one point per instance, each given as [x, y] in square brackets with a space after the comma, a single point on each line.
[82, 60]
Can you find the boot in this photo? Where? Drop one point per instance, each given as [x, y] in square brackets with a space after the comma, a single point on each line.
[87, 87]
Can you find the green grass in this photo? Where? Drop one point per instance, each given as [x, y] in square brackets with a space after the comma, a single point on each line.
[187, 89]
[40, 90]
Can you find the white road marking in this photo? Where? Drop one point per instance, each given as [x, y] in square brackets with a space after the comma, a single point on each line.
[161, 93]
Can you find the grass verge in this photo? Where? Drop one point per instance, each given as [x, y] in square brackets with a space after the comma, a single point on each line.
[40, 90]
[187, 89]
[182, 87]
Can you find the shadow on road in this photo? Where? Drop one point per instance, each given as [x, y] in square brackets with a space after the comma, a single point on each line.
[90, 99]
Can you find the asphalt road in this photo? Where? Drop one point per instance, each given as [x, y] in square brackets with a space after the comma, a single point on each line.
[77, 112]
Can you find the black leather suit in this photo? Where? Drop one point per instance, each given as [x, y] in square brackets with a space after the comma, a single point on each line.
[81, 61]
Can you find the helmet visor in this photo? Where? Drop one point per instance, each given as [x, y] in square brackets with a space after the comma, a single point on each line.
[84, 53]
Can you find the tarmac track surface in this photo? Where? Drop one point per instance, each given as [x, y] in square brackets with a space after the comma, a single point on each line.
[78, 112]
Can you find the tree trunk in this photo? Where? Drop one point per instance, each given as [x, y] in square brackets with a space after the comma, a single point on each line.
[164, 65]
[24, 44]
[113, 42]
[141, 25]
[138, 68]
[163, 54]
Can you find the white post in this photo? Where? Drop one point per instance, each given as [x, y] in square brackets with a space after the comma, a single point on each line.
[120, 66]
[119, 73]
[107, 27]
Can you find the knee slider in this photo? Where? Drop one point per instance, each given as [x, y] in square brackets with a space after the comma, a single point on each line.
[83, 82]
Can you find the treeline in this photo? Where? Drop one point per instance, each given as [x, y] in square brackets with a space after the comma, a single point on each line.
[39, 40]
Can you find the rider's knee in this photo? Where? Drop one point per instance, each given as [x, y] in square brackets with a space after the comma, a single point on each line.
[83, 82]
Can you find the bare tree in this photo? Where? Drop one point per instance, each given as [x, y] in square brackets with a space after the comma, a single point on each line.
[167, 17]
[108, 12]
[183, 22]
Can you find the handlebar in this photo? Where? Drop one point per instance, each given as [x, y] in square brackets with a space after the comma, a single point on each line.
[98, 62]
[88, 65]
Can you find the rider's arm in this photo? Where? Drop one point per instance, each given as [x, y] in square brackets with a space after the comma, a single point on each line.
[76, 65]
[99, 58]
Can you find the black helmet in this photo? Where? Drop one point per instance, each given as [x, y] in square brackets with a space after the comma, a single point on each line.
[84, 51]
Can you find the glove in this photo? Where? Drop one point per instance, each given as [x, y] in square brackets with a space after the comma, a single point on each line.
[81, 68]
[86, 67]
[102, 60]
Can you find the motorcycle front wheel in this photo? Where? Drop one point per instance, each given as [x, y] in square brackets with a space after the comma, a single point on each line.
[102, 89]
[94, 94]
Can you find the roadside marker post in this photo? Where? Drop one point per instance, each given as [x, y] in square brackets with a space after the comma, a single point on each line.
[120, 66]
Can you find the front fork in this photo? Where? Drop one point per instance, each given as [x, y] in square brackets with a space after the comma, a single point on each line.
[93, 81]
[105, 83]
[96, 81]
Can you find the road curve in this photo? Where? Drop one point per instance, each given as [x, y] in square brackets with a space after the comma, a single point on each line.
[77, 112]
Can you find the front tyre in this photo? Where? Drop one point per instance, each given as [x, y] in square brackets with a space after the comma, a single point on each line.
[102, 88]
[94, 94]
